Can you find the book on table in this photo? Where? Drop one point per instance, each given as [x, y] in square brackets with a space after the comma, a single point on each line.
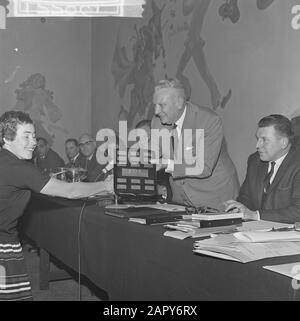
[182, 232]
[156, 218]
[143, 213]
[210, 223]
[217, 216]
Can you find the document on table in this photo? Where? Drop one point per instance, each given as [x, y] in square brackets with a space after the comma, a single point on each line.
[231, 248]
[291, 270]
[266, 231]
[267, 236]
[247, 252]
[181, 233]
[261, 225]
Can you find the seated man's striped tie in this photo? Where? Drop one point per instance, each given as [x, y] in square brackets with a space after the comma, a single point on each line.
[267, 183]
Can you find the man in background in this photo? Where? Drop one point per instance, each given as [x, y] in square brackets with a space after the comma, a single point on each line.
[76, 159]
[87, 147]
[46, 159]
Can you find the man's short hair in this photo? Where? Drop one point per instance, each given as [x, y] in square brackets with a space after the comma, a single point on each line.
[281, 124]
[9, 122]
[44, 140]
[171, 83]
[72, 140]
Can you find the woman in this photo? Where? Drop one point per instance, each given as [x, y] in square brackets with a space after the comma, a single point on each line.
[18, 177]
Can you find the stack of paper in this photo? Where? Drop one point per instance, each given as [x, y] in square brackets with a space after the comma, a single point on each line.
[163, 217]
[267, 236]
[291, 270]
[181, 231]
[165, 206]
[252, 245]
[217, 216]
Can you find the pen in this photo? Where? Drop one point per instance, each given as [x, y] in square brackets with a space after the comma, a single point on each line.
[282, 229]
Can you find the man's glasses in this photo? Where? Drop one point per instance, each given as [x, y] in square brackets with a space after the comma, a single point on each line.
[200, 210]
[86, 143]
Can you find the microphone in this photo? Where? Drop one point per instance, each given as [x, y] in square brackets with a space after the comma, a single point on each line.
[106, 169]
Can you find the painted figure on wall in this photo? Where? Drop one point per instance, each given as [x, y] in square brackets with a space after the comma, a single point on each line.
[135, 76]
[263, 4]
[35, 99]
[139, 72]
[230, 9]
[194, 50]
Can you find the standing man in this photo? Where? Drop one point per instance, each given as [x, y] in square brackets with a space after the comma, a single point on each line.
[218, 179]
[46, 159]
[76, 159]
[18, 178]
[87, 147]
[271, 190]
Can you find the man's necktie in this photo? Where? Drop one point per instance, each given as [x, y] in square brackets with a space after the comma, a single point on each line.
[267, 183]
[173, 133]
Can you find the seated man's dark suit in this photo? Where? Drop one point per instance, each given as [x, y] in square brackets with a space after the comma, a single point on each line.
[282, 202]
[51, 161]
[94, 170]
[79, 161]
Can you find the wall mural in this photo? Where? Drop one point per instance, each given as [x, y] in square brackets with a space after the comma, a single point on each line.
[136, 75]
[34, 99]
[139, 72]
[230, 9]
[194, 44]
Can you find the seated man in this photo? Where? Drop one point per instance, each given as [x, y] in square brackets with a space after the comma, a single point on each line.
[271, 190]
[46, 159]
[76, 159]
[207, 178]
[87, 147]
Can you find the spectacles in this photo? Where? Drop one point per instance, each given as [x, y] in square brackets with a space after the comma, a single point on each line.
[201, 209]
[86, 143]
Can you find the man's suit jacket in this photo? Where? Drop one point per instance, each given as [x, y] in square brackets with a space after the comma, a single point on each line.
[51, 161]
[282, 202]
[80, 161]
[94, 169]
[217, 180]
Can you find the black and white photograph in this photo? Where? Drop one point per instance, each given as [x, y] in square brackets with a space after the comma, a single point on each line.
[149, 153]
